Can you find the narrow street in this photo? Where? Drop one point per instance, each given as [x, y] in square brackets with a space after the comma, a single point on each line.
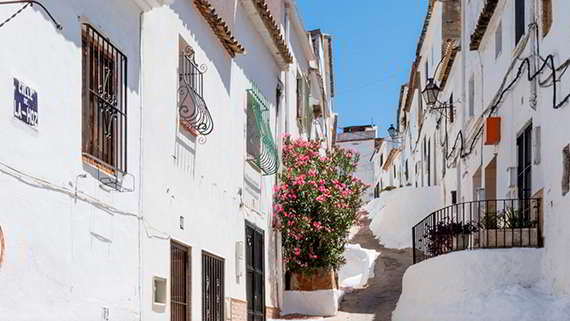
[377, 301]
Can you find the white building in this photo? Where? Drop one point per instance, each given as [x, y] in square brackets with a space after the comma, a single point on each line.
[163, 171]
[495, 136]
[361, 139]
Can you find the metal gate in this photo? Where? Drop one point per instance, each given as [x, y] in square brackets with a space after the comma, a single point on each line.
[255, 261]
[180, 283]
[212, 287]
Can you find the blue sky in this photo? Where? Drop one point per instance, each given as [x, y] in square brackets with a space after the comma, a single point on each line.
[374, 44]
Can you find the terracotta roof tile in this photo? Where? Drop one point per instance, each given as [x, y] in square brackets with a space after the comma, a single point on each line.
[274, 30]
[220, 28]
[483, 23]
[451, 51]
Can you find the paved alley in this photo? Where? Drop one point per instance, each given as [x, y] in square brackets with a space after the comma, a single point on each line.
[377, 301]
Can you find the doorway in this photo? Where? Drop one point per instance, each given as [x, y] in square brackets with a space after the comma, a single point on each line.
[255, 266]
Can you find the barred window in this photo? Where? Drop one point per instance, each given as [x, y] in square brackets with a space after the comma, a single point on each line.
[104, 119]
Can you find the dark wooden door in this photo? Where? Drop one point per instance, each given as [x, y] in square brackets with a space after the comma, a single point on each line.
[212, 287]
[179, 283]
[255, 263]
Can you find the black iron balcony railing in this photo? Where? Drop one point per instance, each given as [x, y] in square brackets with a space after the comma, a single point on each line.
[505, 223]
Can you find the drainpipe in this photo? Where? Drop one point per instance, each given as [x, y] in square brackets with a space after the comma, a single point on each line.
[533, 29]
[140, 193]
[464, 52]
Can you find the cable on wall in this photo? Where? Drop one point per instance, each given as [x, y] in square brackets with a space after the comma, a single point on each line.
[28, 3]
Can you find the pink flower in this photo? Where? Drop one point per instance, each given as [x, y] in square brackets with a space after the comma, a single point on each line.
[317, 225]
[321, 198]
[300, 180]
[297, 251]
[312, 172]
[278, 208]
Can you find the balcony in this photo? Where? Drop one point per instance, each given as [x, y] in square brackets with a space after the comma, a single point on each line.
[506, 223]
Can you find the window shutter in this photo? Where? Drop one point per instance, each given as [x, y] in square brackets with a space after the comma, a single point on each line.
[499, 40]
[299, 97]
[546, 16]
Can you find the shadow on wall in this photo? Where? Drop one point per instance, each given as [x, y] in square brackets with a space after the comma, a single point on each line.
[201, 32]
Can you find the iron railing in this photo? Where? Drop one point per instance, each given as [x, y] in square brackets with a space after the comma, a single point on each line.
[261, 146]
[503, 223]
[194, 113]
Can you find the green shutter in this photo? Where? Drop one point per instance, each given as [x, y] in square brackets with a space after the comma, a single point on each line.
[261, 145]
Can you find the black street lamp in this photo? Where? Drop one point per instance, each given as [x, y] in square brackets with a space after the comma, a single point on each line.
[431, 92]
[392, 131]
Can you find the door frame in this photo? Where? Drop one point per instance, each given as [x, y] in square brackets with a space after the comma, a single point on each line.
[175, 243]
[261, 232]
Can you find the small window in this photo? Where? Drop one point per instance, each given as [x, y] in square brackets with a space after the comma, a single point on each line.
[519, 20]
[300, 94]
[104, 119]
[472, 95]
[547, 18]
[499, 40]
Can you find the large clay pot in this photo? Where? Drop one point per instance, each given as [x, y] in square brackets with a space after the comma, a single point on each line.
[312, 281]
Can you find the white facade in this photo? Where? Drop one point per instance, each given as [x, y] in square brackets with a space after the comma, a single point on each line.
[486, 60]
[74, 248]
[361, 139]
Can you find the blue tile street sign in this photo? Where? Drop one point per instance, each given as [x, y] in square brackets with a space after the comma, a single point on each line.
[25, 103]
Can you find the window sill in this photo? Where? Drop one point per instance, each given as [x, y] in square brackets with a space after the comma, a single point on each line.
[188, 128]
[98, 164]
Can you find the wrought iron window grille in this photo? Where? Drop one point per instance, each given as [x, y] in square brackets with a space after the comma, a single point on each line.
[261, 147]
[104, 120]
[193, 111]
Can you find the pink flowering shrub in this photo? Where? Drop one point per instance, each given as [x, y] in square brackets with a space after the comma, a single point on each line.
[316, 204]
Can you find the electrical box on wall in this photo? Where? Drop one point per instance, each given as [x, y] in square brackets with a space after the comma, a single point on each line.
[492, 130]
[158, 290]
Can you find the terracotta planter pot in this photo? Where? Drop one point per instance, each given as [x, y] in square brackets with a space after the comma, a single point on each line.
[319, 280]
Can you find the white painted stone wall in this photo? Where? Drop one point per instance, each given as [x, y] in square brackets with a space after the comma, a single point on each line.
[71, 245]
[365, 168]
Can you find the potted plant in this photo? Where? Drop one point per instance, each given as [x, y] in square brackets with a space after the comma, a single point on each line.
[447, 236]
[316, 203]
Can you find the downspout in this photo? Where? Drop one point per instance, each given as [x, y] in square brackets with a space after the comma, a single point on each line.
[533, 29]
[464, 53]
[140, 201]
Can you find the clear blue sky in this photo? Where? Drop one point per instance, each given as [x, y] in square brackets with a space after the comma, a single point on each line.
[374, 45]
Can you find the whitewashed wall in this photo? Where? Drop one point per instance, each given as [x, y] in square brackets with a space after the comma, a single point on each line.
[365, 168]
[203, 182]
[68, 256]
[555, 137]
